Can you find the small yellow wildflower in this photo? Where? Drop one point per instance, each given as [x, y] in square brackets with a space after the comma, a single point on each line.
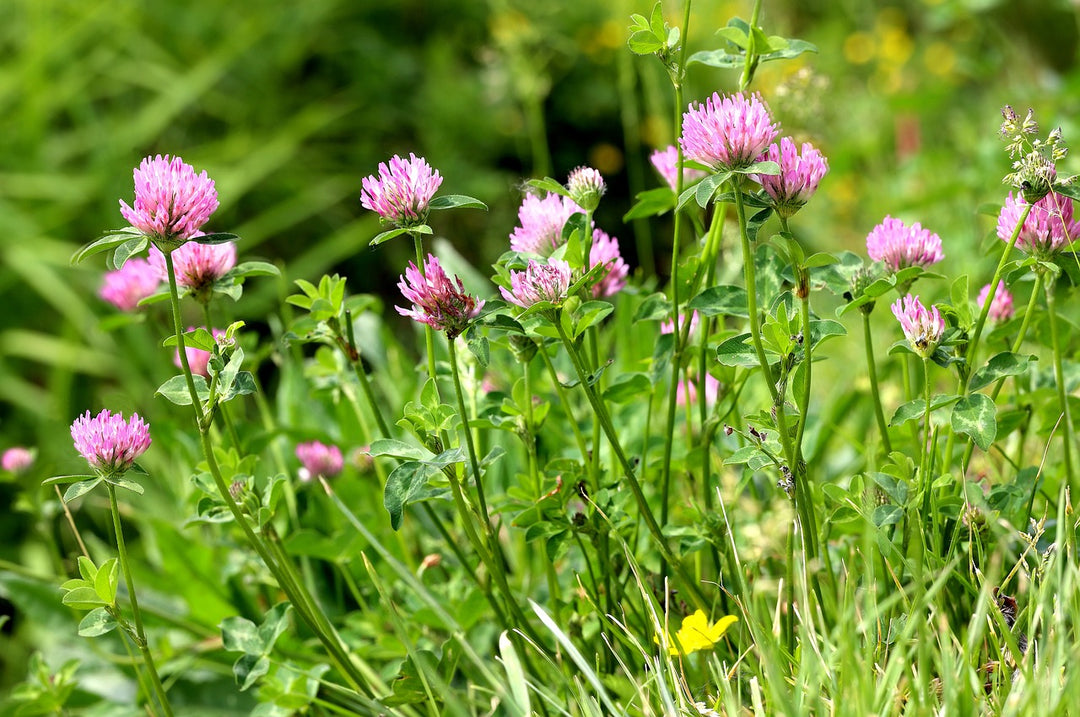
[697, 633]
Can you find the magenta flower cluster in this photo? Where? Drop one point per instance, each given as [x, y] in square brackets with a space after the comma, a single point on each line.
[197, 266]
[438, 301]
[799, 175]
[605, 252]
[899, 246]
[539, 282]
[133, 282]
[171, 202]
[540, 223]
[1001, 308]
[402, 190]
[17, 459]
[109, 443]
[1048, 227]
[727, 133]
[319, 459]
[666, 162]
[923, 327]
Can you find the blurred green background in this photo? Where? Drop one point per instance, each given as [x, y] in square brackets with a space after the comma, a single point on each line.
[289, 105]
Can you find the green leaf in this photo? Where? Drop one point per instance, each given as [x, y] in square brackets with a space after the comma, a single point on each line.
[591, 312]
[175, 390]
[644, 42]
[628, 387]
[79, 489]
[60, 480]
[85, 598]
[455, 201]
[887, 515]
[708, 187]
[716, 58]
[1002, 365]
[126, 484]
[239, 634]
[254, 268]
[106, 580]
[105, 243]
[215, 238]
[723, 300]
[479, 347]
[97, 622]
[651, 203]
[975, 415]
[766, 167]
[249, 668]
[915, 409]
[736, 351]
[386, 236]
[961, 300]
[408, 483]
[397, 449]
[127, 250]
[656, 307]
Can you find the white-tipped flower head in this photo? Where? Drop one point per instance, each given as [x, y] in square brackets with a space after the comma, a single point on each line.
[586, 186]
[402, 190]
[1049, 225]
[923, 327]
[539, 282]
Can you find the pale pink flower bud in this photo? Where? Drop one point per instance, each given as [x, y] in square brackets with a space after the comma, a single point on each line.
[923, 328]
[401, 192]
[437, 301]
[540, 223]
[319, 459]
[539, 282]
[586, 186]
[799, 175]
[666, 162]
[728, 132]
[1048, 227]
[899, 246]
[127, 286]
[1001, 308]
[108, 442]
[171, 201]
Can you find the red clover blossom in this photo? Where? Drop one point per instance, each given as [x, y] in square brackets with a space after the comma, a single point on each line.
[539, 282]
[17, 460]
[923, 328]
[900, 246]
[1049, 225]
[171, 201]
[127, 286]
[436, 300]
[666, 162]
[402, 191]
[109, 443]
[540, 223]
[319, 459]
[799, 175]
[605, 252]
[197, 266]
[1001, 308]
[727, 133]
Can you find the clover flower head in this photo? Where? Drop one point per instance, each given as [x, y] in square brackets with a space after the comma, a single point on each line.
[586, 186]
[686, 391]
[666, 162]
[899, 246]
[401, 192]
[438, 301]
[728, 132]
[799, 175]
[130, 284]
[605, 252]
[198, 359]
[541, 281]
[697, 633]
[109, 443]
[17, 459]
[197, 265]
[171, 201]
[540, 223]
[319, 459]
[1048, 227]
[1001, 308]
[923, 327]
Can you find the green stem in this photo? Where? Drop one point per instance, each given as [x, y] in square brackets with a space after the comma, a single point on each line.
[751, 51]
[129, 580]
[635, 487]
[1059, 376]
[875, 391]
[361, 376]
[568, 409]
[924, 461]
[181, 345]
[484, 514]
[429, 333]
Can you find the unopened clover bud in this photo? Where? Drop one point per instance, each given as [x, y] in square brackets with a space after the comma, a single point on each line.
[586, 186]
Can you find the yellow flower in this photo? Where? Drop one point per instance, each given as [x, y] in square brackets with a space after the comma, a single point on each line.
[697, 633]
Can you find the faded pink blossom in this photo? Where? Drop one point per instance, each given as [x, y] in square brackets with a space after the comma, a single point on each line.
[127, 286]
[198, 359]
[605, 251]
[539, 282]
[799, 175]
[1001, 308]
[402, 191]
[668, 327]
[1049, 225]
[900, 246]
[727, 133]
[586, 186]
[686, 391]
[540, 223]
[319, 459]
[17, 459]
[171, 201]
[436, 300]
[666, 162]
[197, 266]
[923, 328]
[109, 443]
